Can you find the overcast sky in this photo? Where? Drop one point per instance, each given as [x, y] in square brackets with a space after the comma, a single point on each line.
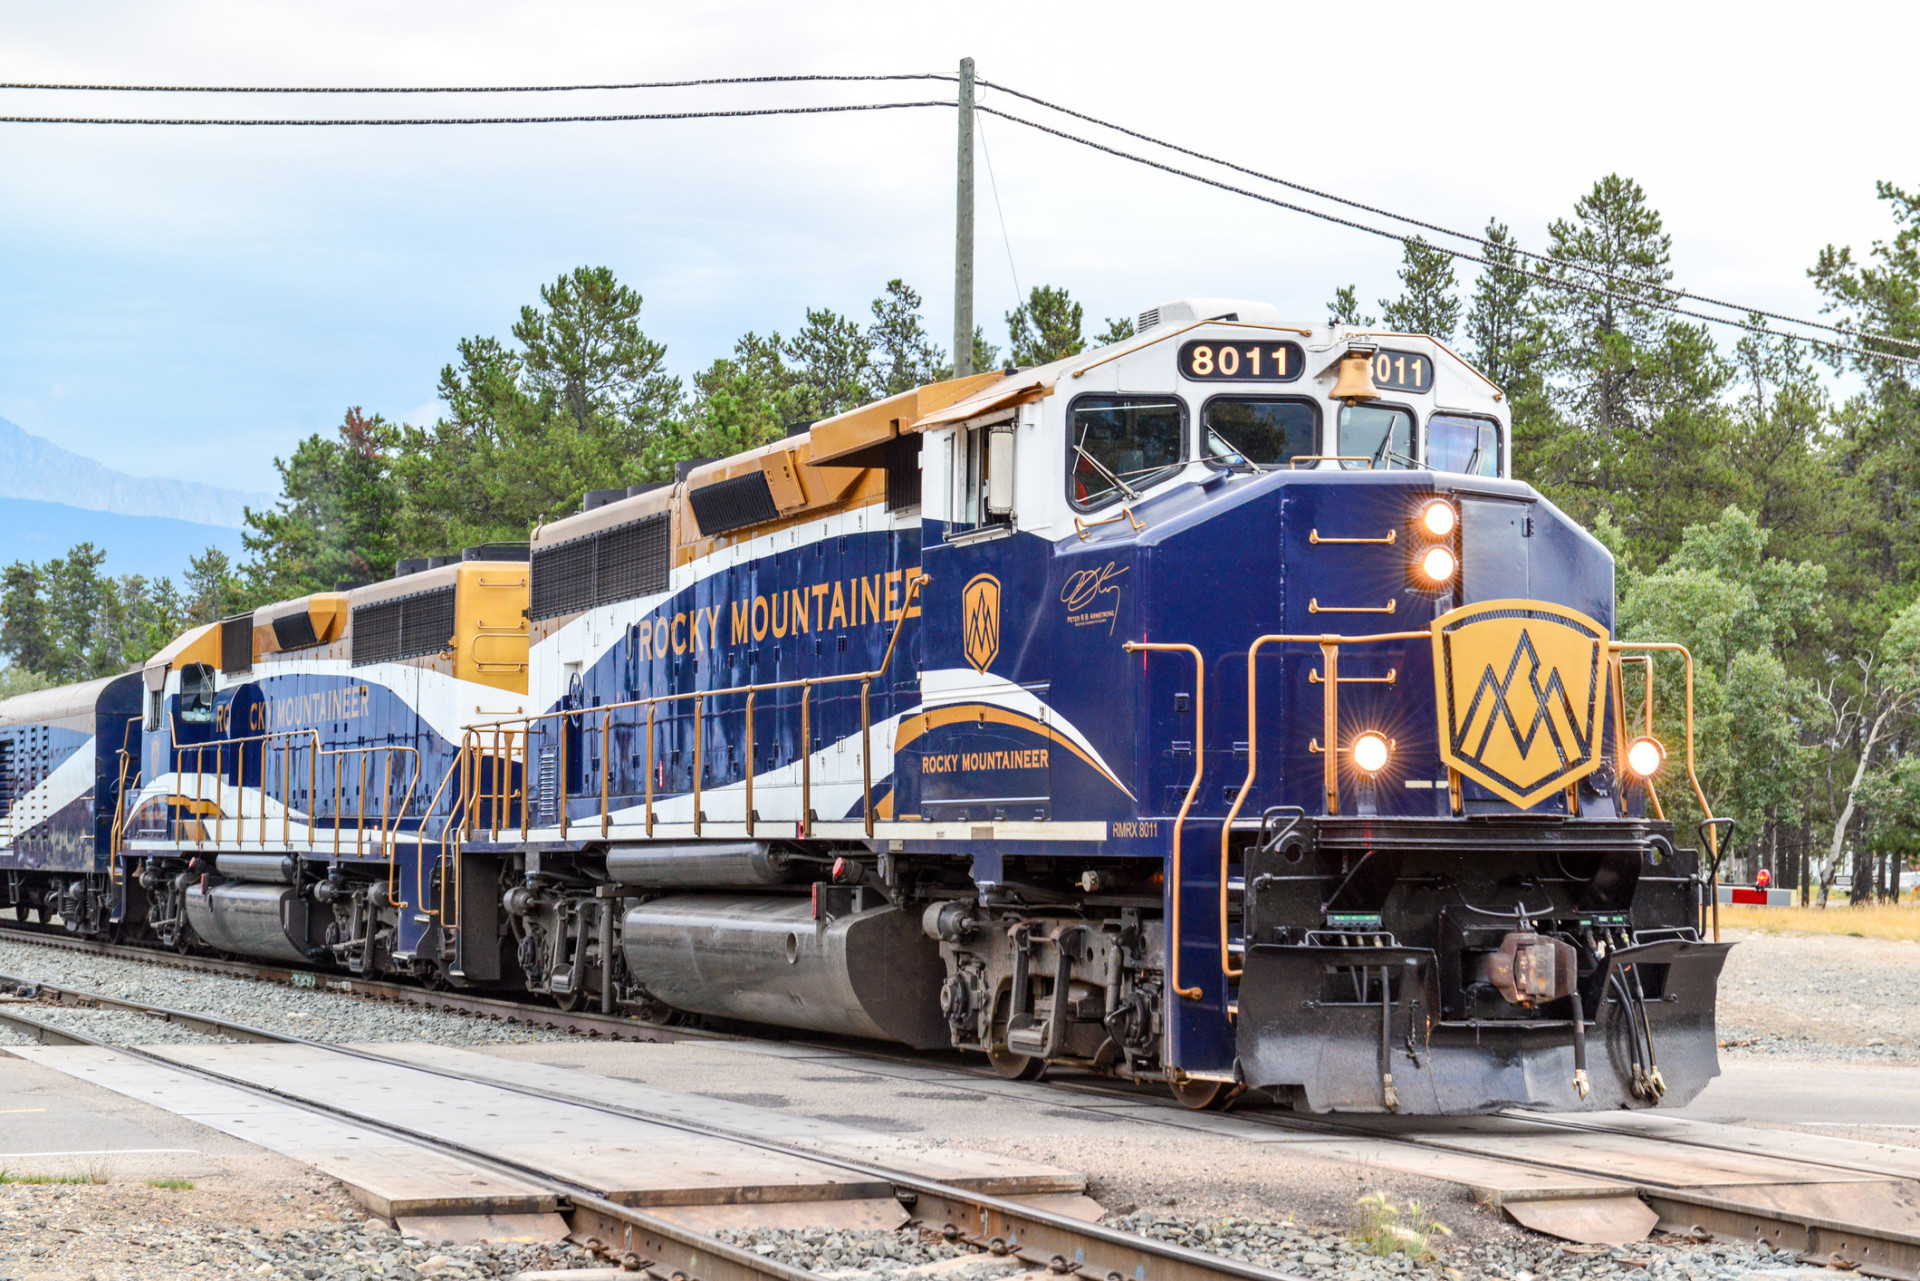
[192, 302]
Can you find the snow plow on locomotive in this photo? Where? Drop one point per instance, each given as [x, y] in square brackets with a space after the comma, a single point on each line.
[1210, 707]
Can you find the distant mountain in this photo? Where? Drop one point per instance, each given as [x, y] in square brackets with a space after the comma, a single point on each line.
[153, 546]
[35, 468]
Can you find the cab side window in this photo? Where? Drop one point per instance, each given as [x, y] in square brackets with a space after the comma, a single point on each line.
[1122, 444]
[1459, 443]
[196, 694]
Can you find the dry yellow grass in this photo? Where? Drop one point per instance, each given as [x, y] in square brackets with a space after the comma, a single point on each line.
[1878, 921]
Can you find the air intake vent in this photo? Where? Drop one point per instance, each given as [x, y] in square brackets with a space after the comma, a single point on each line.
[236, 644]
[1149, 318]
[495, 551]
[294, 631]
[733, 504]
[408, 627]
[622, 563]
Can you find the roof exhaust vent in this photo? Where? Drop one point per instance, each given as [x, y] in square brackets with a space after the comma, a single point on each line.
[1148, 319]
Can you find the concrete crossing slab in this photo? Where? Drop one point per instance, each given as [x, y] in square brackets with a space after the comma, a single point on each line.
[387, 1175]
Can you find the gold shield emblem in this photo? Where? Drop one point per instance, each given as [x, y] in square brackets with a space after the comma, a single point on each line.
[1520, 686]
[980, 620]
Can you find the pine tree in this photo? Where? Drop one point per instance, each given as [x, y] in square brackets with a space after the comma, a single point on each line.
[338, 516]
[1615, 246]
[1344, 309]
[1046, 327]
[1427, 303]
[832, 365]
[903, 355]
[1498, 319]
[26, 633]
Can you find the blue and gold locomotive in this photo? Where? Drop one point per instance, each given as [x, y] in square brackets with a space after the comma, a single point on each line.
[1209, 707]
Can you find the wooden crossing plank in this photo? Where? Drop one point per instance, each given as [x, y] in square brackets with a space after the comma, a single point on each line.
[387, 1175]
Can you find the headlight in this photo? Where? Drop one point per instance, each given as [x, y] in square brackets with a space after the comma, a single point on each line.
[1645, 756]
[1437, 565]
[1438, 518]
[1370, 751]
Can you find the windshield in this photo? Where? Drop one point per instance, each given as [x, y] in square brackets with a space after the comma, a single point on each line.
[1378, 434]
[1458, 443]
[1122, 444]
[1267, 433]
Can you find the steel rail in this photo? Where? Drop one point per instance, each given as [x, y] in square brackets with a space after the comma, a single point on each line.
[611, 1026]
[1875, 1250]
[676, 1253]
[995, 1223]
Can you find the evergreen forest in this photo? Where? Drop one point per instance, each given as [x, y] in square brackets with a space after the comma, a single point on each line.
[1758, 491]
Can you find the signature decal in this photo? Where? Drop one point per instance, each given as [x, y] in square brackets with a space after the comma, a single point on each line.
[1092, 597]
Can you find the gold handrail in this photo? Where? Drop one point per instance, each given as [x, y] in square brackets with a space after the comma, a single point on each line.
[1329, 644]
[651, 703]
[1081, 527]
[1293, 464]
[1193, 790]
[1313, 536]
[1699, 794]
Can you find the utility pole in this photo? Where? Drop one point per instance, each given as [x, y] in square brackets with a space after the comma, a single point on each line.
[963, 233]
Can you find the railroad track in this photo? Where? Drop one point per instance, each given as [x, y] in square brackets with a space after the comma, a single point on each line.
[586, 1023]
[645, 1242]
[1882, 1249]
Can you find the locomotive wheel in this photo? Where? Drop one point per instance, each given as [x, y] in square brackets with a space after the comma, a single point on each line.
[569, 1001]
[1016, 1067]
[434, 977]
[1198, 1094]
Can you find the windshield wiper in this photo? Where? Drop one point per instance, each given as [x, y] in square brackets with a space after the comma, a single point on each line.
[1101, 467]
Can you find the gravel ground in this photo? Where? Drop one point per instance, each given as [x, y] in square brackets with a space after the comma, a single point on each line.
[1821, 996]
[314, 1013]
[142, 1233]
[116, 1027]
[1283, 1246]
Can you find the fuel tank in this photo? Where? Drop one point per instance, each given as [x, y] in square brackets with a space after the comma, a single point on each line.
[250, 919]
[274, 869]
[765, 959]
[700, 865]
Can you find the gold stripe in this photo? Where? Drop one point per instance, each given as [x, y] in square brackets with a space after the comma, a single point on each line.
[958, 712]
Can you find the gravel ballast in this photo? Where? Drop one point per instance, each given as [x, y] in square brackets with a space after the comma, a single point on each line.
[128, 1233]
[314, 1013]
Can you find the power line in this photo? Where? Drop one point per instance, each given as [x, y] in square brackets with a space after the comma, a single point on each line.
[474, 120]
[994, 184]
[1482, 241]
[1555, 281]
[1542, 277]
[638, 84]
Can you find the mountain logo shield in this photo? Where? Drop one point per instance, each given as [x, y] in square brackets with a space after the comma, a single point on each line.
[980, 620]
[1521, 688]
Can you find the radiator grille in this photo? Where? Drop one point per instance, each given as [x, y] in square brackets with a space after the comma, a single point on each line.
[620, 563]
[733, 504]
[236, 644]
[903, 473]
[407, 627]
